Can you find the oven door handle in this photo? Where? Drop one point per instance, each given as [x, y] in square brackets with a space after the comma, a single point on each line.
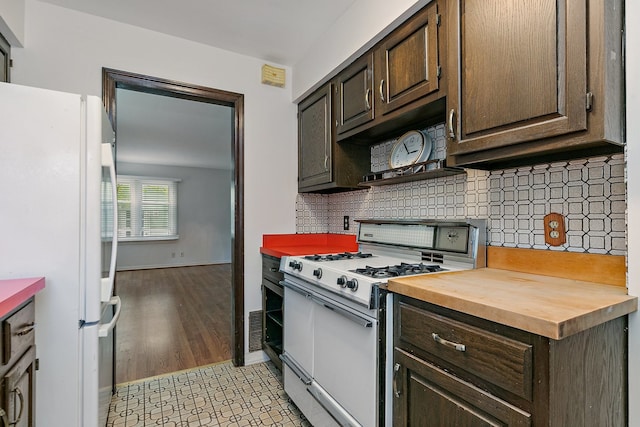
[362, 321]
[306, 380]
[332, 407]
[296, 288]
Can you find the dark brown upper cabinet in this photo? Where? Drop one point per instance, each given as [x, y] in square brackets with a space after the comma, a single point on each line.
[537, 81]
[314, 139]
[392, 88]
[354, 90]
[324, 165]
[406, 62]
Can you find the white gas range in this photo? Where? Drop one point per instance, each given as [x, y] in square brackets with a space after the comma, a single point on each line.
[331, 311]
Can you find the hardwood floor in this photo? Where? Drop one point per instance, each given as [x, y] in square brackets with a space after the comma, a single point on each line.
[172, 319]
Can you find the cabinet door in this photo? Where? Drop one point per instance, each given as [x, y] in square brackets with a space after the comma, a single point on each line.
[314, 139]
[522, 72]
[19, 391]
[354, 87]
[407, 67]
[425, 395]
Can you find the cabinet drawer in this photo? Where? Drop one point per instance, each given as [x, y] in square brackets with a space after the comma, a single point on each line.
[271, 269]
[428, 396]
[502, 361]
[18, 332]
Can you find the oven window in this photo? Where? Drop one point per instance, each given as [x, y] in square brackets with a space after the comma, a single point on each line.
[5, 59]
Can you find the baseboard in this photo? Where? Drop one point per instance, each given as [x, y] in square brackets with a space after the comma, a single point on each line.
[255, 357]
[154, 266]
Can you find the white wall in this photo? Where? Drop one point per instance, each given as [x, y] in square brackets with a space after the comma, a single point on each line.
[633, 200]
[204, 220]
[66, 50]
[364, 24]
[12, 21]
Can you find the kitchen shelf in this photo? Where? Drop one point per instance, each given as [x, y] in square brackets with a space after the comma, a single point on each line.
[276, 316]
[276, 346]
[424, 170]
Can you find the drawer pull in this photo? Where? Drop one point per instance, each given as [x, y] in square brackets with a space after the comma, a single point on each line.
[25, 330]
[396, 391]
[454, 345]
[273, 270]
[452, 132]
[18, 392]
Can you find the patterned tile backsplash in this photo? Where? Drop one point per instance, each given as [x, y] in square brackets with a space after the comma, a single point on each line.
[590, 193]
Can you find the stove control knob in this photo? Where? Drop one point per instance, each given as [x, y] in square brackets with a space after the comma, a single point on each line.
[318, 273]
[342, 281]
[296, 265]
[352, 284]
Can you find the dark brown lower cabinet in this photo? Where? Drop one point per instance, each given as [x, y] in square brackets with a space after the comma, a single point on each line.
[17, 372]
[17, 391]
[429, 396]
[453, 369]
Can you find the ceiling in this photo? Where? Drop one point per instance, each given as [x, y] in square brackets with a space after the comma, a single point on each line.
[154, 129]
[280, 31]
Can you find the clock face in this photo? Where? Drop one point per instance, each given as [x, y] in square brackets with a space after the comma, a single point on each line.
[410, 148]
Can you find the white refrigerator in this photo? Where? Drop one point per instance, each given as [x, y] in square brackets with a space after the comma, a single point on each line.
[57, 213]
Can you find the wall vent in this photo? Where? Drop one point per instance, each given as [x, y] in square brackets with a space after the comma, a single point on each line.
[255, 330]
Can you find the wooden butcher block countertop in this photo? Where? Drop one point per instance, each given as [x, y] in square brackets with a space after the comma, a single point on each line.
[549, 306]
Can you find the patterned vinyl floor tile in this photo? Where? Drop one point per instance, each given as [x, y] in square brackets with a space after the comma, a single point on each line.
[209, 396]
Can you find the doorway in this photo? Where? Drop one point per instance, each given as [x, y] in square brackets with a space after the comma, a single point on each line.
[115, 79]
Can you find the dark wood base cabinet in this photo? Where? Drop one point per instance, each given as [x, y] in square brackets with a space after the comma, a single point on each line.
[272, 313]
[452, 369]
[17, 372]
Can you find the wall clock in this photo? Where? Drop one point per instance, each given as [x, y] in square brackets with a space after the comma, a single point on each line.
[412, 147]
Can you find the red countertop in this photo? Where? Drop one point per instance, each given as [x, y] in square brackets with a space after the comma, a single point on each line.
[279, 245]
[14, 292]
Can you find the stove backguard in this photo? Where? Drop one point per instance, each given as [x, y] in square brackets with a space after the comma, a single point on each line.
[461, 242]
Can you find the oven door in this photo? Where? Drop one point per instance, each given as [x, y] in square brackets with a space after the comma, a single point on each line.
[345, 358]
[297, 357]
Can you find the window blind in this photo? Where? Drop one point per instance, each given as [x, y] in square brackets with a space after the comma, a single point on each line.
[147, 208]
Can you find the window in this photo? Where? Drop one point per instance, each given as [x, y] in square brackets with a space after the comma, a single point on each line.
[147, 208]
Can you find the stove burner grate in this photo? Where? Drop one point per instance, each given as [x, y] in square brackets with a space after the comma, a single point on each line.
[338, 257]
[402, 269]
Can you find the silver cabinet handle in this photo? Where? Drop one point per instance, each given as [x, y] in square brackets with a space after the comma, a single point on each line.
[367, 97]
[26, 329]
[382, 90]
[396, 369]
[452, 132]
[18, 392]
[273, 269]
[454, 345]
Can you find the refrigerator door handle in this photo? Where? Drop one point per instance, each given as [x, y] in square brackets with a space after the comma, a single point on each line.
[107, 282]
[103, 330]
